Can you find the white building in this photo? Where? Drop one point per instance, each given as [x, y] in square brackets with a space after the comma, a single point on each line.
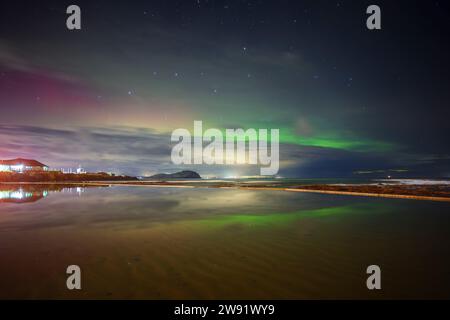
[21, 165]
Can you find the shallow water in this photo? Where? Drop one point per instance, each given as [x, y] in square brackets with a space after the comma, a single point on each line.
[169, 243]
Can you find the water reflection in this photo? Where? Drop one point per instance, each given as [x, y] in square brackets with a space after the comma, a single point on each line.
[169, 243]
[22, 196]
[139, 207]
[11, 193]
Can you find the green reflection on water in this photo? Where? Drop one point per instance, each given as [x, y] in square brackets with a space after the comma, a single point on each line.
[280, 219]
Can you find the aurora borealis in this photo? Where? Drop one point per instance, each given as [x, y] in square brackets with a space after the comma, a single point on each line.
[345, 99]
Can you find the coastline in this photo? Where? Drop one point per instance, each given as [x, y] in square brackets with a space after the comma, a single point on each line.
[410, 192]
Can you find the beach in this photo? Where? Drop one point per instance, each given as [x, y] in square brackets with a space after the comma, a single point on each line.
[405, 189]
[157, 242]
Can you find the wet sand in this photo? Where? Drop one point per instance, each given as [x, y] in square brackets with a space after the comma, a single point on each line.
[183, 261]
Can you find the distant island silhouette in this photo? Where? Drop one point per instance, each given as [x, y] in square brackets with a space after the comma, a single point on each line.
[186, 174]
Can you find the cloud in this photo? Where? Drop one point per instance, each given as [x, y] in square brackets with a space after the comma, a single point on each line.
[11, 60]
[124, 151]
[141, 151]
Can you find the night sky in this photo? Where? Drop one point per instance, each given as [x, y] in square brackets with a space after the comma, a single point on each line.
[349, 102]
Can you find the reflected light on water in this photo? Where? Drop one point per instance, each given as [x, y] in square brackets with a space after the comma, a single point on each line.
[22, 196]
[166, 243]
